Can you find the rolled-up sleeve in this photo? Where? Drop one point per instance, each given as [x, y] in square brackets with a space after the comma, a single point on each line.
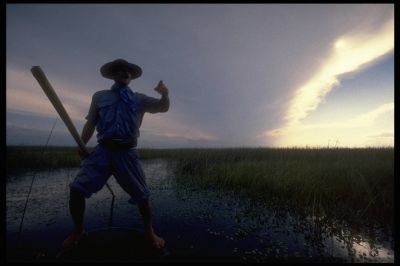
[152, 105]
[93, 114]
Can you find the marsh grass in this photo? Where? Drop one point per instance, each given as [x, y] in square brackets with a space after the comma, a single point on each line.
[351, 184]
[22, 158]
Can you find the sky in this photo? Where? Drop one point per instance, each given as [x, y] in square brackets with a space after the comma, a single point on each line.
[239, 75]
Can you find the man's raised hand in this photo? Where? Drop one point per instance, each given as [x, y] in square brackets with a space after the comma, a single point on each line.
[161, 88]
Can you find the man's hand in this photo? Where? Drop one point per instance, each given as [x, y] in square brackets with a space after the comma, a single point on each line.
[83, 154]
[161, 88]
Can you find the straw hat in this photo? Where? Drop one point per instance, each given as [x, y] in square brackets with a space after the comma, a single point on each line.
[108, 69]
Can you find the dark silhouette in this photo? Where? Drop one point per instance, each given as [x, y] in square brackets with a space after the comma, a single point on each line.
[117, 115]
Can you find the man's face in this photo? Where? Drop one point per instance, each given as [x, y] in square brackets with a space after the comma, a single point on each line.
[122, 76]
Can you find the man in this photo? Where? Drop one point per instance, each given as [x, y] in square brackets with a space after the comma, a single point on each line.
[117, 115]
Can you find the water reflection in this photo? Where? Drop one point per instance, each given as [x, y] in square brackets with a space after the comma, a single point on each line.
[282, 233]
[196, 222]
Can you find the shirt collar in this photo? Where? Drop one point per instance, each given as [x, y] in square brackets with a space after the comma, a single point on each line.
[124, 92]
[118, 86]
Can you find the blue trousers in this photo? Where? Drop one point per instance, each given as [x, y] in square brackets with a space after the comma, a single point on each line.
[124, 165]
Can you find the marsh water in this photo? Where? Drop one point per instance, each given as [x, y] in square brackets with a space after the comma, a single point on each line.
[197, 223]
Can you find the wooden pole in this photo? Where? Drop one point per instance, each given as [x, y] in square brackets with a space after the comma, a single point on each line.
[51, 94]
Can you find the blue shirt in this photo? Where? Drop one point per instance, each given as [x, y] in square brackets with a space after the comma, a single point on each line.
[118, 112]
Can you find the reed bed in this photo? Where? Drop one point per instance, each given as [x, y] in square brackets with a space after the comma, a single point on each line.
[350, 184]
[356, 184]
[22, 158]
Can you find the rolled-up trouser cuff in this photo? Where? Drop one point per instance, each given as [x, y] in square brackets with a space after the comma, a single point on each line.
[136, 201]
[81, 189]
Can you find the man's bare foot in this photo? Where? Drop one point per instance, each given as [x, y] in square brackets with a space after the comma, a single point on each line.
[73, 239]
[155, 241]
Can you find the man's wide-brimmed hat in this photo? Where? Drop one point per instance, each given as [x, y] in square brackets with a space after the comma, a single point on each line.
[108, 69]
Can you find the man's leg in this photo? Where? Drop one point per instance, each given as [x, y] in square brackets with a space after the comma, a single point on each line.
[77, 209]
[92, 176]
[145, 210]
[130, 176]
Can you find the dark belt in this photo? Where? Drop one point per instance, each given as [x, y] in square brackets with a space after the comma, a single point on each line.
[118, 144]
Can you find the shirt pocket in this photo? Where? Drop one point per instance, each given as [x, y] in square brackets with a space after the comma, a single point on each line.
[133, 105]
[106, 113]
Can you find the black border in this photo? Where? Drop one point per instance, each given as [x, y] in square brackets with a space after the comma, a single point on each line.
[3, 148]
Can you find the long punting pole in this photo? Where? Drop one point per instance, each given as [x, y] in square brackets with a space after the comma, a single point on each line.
[51, 94]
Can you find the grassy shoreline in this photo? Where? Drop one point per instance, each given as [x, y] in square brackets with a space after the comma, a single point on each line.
[352, 183]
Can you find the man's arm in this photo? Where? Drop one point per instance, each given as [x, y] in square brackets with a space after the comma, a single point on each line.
[87, 133]
[163, 104]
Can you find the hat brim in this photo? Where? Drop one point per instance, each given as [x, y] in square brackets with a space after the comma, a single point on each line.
[108, 69]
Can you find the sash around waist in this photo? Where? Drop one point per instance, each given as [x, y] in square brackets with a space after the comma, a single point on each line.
[118, 143]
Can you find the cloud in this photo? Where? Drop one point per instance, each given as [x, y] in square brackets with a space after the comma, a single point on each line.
[351, 53]
[231, 70]
[26, 135]
[355, 131]
[370, 117]
[25, 94]
[169, 127]
[362, 120]
[382, 135]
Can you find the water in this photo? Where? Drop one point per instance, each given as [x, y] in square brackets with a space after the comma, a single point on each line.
[197, 224]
